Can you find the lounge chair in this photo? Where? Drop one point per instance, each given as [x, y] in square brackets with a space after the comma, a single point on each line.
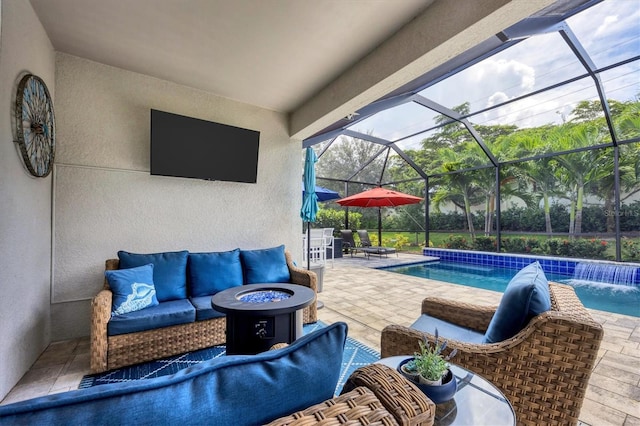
[543, 369]
[348, 243]
[370, 249]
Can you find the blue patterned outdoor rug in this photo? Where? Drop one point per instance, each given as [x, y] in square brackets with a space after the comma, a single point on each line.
[355, 356]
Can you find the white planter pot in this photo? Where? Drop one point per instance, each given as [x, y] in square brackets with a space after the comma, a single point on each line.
[424, 381]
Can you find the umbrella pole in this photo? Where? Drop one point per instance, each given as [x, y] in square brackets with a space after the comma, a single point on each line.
[379, 226]
[319, 304]
[308, 246]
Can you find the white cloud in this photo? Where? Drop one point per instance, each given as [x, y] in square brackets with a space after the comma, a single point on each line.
[497, 98]
[606, 24]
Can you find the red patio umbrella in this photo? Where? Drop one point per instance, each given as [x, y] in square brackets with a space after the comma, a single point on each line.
[379, 197]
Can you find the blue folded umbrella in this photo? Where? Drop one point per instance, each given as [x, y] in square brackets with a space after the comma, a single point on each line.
[324, 194]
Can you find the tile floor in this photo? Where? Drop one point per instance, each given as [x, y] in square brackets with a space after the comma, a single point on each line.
[368, 300]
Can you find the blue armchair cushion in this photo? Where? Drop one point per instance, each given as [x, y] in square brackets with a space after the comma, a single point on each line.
[173, 312]
[447, 330]
[526, 296]
[132, 289]
[210, 273]
[204, 310]
[233, 390]
[169, 271]
[265, 266]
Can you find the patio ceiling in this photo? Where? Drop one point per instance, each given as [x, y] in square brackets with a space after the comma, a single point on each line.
[314, 60]
[274, 54]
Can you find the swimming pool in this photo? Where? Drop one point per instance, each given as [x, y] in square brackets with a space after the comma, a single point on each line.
[619, 299]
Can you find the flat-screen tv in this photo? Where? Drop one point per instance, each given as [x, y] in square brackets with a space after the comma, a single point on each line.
[193, 148]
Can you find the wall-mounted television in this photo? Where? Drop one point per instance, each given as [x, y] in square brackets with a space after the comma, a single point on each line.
[193, 148]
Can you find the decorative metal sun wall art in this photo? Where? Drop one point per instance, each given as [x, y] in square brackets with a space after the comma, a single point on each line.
[35, 125]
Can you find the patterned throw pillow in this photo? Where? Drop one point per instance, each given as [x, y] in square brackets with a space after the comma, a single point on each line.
[132, 289]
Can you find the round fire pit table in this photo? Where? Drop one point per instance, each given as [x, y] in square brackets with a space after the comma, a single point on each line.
[261, 315]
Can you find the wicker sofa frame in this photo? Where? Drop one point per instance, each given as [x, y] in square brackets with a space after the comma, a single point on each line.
[543, 370]
[110, 352]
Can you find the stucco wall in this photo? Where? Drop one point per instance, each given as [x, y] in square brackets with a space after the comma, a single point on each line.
[25, 203]
[105, 200]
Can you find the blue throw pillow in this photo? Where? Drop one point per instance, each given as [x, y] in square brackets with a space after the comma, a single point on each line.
[210, 273]
[132, 289]
[265, 266]
[169, 271]
[526, 296]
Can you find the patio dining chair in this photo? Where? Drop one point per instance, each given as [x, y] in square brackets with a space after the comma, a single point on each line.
[327, 234]
[315, 249]
[543, 369]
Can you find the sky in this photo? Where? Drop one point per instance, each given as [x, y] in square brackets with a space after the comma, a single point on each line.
[609, 32]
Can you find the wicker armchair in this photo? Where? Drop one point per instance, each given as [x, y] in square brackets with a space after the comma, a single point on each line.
[543, 370]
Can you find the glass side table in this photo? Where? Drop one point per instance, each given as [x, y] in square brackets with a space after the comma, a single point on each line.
[477, 401]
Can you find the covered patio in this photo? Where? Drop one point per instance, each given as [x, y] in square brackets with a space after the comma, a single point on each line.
[369, 299]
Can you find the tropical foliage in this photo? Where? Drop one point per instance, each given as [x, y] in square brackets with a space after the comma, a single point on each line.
[552, 179]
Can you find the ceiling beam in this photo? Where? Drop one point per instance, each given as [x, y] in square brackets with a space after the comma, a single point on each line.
[444, 30]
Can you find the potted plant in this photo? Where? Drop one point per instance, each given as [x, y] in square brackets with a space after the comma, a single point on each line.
[429, 369]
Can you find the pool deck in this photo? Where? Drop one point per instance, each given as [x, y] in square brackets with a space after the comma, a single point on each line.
[369, 299]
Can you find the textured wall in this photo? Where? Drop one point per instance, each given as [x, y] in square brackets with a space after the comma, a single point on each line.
[105, 199]
[25, 203]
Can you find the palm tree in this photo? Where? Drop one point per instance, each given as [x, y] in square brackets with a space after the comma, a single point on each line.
[577, 168]
[461, 184]
[538, 173]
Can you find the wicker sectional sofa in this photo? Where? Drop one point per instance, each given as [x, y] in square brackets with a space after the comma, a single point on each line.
[112, 346]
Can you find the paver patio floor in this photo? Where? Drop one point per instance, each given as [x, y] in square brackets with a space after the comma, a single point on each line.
[369, 299]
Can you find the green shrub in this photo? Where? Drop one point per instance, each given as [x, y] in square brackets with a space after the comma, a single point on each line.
[483, 243]
[399, 241]
[457, 242]
[520, 245]
[451, 221]
[589, 248]
[553, 246]
[592, 248]
[331, 218]
[631, 249]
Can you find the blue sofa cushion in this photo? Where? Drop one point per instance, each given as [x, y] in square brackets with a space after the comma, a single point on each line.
[169, 271]
[526, 296]
[204, 310]
[265, 266]
[173, 312]
[447, 330]
[210, 273]
[233, 390]
[132, 289]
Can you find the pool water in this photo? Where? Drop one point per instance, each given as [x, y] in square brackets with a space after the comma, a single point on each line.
[621, 299]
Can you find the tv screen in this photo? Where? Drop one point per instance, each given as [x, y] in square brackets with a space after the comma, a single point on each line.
[193, 148]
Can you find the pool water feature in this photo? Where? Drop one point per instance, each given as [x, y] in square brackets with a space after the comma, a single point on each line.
[606, 273]
[621, 299]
